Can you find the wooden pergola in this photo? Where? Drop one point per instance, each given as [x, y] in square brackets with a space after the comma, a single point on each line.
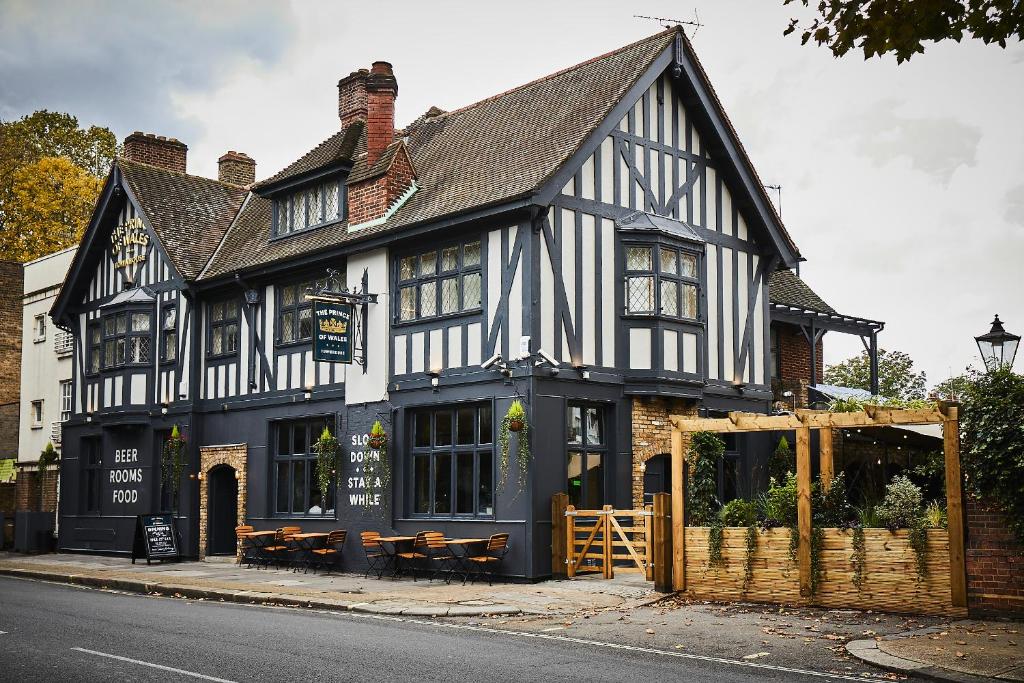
[802, 422]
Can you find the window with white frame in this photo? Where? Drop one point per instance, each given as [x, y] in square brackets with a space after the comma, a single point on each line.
[310, 207]
[439, 282]
[65, 400]
[39, 328]
[661, 280]
[36, 411]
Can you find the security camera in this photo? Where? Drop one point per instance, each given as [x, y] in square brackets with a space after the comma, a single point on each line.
[491, 362]
[546, 357]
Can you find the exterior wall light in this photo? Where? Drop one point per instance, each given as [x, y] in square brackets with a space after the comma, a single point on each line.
[998, 347]
[582, 369]
[435, 377]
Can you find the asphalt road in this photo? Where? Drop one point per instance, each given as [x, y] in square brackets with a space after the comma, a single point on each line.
[61, 633]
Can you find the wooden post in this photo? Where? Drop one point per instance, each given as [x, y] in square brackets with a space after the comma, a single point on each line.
[803, 507]
[648, 541]
[954, 506]
[678, 512]
[825, 457]
[570, 541]
[662, 544]
[606, 541]
[559, 502]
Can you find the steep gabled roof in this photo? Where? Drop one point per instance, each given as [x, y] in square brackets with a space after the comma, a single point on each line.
[338, 148]
[188, 213]
[787, 289]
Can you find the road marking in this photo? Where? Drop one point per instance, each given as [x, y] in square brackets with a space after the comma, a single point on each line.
[154, 666]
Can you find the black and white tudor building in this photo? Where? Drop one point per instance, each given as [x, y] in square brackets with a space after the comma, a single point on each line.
[600, 229]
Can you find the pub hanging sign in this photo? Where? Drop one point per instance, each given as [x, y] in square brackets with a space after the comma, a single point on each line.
[129, 246]
[332, 341]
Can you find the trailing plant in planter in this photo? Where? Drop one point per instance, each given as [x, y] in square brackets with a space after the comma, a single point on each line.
[715, 558]
[326, 449]
[859, 557]
[47, 459]
[376, 465]
[514, 422]
[173, 460]
[706, 448]
[748, 559]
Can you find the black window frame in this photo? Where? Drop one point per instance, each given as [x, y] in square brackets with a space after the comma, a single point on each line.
[312, 428]
[286, 201]
[167, 334]
[120, 341]
[94, 347]
[418, 280]
[585, 449]
[296, 308]
[480, 451]
[678, 280]
[91, 467]
[224, 323]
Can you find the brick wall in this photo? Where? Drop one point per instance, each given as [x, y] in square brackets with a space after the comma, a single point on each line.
[156, 150]
[370, 199]
[11, 289]
[235, 456]
[995, 563]
[352, 97]
[652, 434]
[795, 361]
[8, 495]
[30, 496]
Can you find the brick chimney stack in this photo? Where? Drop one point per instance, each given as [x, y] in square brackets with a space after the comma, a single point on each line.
[381, 91]
[352, 97]
[237, 168]
[156, 150]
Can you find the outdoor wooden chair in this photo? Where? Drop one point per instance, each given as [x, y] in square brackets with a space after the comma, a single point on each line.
[376, 559]
[330, 554]
[281, 551]
[417, 556]
[440, 559]
[490, 562]
[244, 544]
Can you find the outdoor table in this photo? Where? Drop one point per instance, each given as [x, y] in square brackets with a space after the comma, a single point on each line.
[305, 544]
[260, 540]
[392, 545]
[462, 550]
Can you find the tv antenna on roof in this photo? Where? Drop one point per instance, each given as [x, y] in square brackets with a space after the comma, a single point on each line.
[778, 190]
[668, 23]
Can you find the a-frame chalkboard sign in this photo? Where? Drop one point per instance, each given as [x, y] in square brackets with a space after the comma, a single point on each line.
[156, 538]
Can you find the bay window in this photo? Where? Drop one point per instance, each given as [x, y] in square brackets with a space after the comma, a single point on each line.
[126, 338]
[169, 334]
[661, 280]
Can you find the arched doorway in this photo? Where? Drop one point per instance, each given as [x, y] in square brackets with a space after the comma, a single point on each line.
[222, 500]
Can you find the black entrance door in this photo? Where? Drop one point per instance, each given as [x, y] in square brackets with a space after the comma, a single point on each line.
[222, 510]
[657, 477]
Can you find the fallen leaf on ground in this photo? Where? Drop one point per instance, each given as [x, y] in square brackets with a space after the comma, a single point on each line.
[756, 655]
[649, 631]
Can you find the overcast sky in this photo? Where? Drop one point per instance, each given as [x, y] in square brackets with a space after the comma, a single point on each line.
[902, 185]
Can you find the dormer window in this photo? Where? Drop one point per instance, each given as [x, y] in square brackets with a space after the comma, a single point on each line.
[312, 206]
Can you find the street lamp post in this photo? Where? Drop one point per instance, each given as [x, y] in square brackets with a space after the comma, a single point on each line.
[997, 346]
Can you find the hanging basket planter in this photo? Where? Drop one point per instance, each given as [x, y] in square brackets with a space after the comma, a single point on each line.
[514, 422]
[516, 425]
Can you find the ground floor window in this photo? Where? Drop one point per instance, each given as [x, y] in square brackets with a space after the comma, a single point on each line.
[92, 474]
[296, 491]
[452, 454]
[587, 451]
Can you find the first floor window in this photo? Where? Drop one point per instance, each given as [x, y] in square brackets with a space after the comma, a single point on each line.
[92, 474]
[453, 461]
[37, 413]
[95, 346]
[169, 334]
[439, 282]
[587, 452]
[661, 280]
[40, 327]
[295, 313]
[297, 491]
[65, 401]
[126, 338]
[223, 328]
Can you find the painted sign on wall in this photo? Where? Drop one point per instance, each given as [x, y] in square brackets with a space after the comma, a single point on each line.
[129, 246]
[332, 341]
[359, 452]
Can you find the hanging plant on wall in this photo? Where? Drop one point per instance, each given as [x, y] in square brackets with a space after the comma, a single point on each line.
[376, 466]
[47, 459]
[748, 560]
[172, 461]
[514, 422]
[859, 557]
[326, 448]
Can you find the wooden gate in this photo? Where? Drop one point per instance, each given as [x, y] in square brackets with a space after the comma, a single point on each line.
[607, 540]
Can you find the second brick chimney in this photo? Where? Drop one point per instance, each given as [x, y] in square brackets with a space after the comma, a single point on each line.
[352, 97]
[237, 168]
[156, 150]
[381, 91]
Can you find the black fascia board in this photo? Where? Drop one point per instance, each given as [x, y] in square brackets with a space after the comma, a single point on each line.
[295, 181]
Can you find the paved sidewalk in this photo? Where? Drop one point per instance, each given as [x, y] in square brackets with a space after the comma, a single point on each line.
[221, 579]
[961, 651]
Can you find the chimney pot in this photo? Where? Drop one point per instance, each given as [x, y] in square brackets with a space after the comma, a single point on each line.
[236, 168]
[156, 150]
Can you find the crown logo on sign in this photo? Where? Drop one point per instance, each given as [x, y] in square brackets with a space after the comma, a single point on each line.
[334, 325]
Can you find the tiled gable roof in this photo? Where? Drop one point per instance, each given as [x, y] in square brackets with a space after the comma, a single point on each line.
[786, 289]
[189, 214]
[341, 146]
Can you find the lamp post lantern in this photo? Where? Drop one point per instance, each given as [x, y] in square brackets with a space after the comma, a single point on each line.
[997, 346]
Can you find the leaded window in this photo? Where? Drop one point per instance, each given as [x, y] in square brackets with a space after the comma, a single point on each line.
[310, 207]
[223, 328]
[169, 333]
[662, 280]
[295, 314]
[296, 487]
[587, 448]
[127, 338]
[94, 340]
[452, 453]
[439, 282]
